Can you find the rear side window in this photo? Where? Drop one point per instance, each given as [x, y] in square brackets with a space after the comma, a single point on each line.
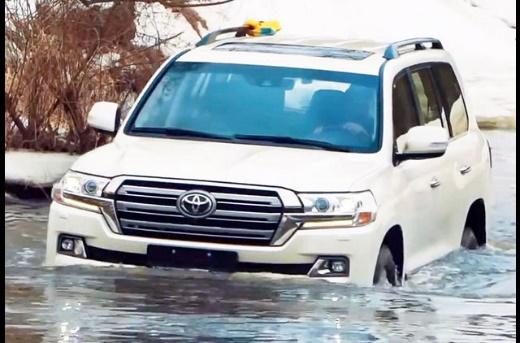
[404, 115]
[429, 108]
[452, 99]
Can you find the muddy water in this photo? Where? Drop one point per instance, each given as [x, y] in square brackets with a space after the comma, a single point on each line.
[469, 296]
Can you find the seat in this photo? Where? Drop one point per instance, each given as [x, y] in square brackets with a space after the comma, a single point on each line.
[361, 109]
[327, 108]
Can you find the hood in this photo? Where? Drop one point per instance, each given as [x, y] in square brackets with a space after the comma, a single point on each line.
[302, 170]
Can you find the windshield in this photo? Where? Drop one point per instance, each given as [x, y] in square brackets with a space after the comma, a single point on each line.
[263, 104]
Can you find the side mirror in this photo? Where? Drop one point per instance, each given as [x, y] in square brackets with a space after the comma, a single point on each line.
[105, 117]
[423, 142]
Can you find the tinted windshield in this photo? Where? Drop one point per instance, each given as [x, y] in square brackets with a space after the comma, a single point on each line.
[267, 104]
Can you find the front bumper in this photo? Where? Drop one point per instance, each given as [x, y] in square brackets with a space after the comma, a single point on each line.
[360, 245]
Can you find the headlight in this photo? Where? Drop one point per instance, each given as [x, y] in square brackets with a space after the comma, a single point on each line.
[79, 190]
[338, 209]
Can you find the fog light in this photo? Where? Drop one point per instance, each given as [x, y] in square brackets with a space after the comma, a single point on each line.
[330, 266]
[67, 244]
[72, 246]
[338, 266]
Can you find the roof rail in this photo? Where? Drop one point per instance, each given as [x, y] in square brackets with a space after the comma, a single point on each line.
[211, 37]
[392, 51]
[251, 27]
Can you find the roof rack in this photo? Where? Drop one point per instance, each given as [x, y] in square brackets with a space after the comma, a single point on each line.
[392, 51]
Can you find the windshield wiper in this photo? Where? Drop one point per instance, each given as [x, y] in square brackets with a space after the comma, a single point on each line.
[175, 132]
[292, 141]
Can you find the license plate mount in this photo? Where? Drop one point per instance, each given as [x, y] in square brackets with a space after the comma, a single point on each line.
[179, 257]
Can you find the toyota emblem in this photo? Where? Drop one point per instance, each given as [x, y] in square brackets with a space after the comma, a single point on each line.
[196, 204]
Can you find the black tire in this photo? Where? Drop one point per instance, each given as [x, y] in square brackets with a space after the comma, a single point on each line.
[469, 240]
[386, 267]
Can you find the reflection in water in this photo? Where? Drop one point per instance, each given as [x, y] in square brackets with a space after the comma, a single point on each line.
[466, 297]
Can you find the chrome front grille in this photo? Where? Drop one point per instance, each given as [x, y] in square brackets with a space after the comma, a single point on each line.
[242, 215]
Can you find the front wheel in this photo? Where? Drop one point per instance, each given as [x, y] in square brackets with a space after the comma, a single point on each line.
[386, 268]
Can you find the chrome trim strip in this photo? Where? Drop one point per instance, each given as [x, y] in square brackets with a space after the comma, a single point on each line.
[229, 202]
[318, 217]
[130, 207]
[127, 224]
[130, 190]
[293, 221]
[267, 217]
[289, 198]
[126, 189]
[108, 211]
[139, 196]
[254, 199]
[245, 221]
[105, 206]
[285, 231]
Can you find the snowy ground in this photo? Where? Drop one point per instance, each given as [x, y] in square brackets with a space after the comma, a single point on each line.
[480, 35]
[36, 169]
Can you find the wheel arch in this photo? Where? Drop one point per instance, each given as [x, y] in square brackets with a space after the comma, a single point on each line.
[394, 240]
[476, 219]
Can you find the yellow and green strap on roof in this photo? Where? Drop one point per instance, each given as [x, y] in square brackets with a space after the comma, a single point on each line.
[255, 28]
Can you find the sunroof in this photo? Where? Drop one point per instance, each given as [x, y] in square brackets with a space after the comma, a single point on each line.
[289, 49]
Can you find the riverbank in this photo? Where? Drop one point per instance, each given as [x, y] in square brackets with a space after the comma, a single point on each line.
[30, 174]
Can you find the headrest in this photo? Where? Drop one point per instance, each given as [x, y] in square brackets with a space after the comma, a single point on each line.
[328, 99]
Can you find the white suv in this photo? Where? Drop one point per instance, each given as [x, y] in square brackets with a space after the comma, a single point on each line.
[346, 160]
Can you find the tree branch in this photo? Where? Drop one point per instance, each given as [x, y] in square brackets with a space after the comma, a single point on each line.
[169, 3]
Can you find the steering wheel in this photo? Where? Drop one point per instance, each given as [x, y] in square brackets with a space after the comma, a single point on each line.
[353, 129]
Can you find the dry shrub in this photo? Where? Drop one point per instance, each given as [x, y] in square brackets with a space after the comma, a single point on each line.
[62, 56]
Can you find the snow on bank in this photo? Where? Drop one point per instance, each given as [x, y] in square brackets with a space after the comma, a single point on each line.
[36, 169]
[503, 9]
[478, 33]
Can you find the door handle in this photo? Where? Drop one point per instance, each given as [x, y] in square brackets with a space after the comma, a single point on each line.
[464, 170]
[434, 183]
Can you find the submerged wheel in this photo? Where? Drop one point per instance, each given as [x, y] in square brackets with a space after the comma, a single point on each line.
[469, 240]
[386, 268]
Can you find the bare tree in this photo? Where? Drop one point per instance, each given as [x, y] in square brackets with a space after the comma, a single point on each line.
[63, 55]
